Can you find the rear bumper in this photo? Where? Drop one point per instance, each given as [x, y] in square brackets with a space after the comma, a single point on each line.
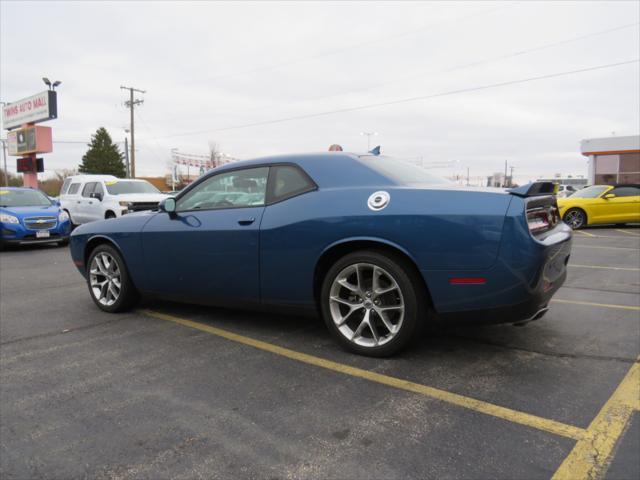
[532, 309]
[518, 288]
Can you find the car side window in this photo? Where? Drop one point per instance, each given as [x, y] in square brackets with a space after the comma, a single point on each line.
[88, 189]
[238, 188]
[98, 188]
[625, 191]
[65, 186]
[73, 189]
[287, 181]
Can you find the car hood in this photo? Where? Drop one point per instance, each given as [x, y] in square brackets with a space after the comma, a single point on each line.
[140, 197]
[22, 212]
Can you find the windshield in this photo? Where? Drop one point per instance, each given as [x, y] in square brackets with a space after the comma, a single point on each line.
[590, 192]
[23, 198]
[404, 173]
[123, 187]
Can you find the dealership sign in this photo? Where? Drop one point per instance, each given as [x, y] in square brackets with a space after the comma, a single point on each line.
[34, 109]
[36, 139]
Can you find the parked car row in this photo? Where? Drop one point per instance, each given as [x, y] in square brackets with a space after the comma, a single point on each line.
[28, 216]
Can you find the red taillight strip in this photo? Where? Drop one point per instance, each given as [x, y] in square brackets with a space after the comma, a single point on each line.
[467, 281]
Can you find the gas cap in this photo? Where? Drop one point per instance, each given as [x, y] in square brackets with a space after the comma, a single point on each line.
[378, 200]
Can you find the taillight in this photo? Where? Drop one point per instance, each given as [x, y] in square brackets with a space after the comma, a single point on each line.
[541, 219]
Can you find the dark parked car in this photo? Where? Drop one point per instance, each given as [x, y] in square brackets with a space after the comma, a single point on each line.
[378, 246]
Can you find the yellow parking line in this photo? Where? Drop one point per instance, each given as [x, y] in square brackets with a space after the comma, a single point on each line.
[604, 267]
[633, 234]
[604, 248]
[585, 233]
[591, 456]
[591, 304]
[504, 413]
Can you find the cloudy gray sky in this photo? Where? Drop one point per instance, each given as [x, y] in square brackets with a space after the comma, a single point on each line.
[211, 68]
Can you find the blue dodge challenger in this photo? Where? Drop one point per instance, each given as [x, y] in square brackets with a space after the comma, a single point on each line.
[378, 246]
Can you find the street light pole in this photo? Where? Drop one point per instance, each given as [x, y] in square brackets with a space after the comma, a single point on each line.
[368, 134]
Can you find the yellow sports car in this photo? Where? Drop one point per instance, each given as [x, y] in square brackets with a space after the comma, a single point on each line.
[601, 204]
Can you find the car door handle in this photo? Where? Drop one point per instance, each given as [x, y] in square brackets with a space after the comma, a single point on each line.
[79, 201]
[246, 221]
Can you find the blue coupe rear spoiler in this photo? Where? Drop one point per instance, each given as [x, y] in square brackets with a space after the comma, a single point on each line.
[534, 189]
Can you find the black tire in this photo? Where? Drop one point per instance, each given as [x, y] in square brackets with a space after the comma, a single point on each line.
[576, 218]
[128, 296]
[109, 215]
[412, 292]
[73, 224]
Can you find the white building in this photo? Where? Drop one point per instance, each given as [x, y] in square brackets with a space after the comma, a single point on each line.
[613, 159]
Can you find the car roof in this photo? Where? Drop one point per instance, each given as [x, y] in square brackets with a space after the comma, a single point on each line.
[88, 178]
[322, 167]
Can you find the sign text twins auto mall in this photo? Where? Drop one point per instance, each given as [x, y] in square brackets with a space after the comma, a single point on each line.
[37, 108]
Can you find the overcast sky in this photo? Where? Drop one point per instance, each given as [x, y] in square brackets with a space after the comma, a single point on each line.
[209, 66]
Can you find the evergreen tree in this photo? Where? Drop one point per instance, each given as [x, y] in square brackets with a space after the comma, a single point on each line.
[103, 157]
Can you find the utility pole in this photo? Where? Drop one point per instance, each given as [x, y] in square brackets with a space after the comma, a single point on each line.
[511, 175]
[126, 157]
[467, 176]
[131, 103]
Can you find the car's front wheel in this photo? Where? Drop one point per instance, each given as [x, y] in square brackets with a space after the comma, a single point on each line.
[109, 283]
[575, 218]
[373, 302]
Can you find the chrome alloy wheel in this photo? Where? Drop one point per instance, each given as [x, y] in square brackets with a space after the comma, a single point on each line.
[105, 279]
[574, 218]
[366, 304]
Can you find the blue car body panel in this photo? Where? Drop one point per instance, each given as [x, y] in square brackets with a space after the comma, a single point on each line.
[446, 231]
[25, 231]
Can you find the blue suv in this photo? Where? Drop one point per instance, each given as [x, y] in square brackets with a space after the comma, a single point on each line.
[28, 216]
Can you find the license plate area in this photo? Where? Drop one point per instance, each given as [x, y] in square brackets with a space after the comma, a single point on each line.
[42, 234]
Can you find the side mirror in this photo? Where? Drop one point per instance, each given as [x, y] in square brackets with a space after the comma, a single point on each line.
[609, 195]
[97, 196]
[168, 205]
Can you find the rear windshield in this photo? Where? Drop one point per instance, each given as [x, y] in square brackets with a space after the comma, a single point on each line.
[402, 172]
[23, 198]
[590, 192]
[124, 186]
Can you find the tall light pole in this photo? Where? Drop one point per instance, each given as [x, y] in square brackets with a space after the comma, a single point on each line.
[369, 134]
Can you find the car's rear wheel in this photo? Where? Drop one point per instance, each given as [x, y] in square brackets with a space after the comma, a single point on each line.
[109, 283]
[373, 303]
[575, 218]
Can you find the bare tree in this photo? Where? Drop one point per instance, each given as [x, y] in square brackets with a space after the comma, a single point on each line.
[214, 153]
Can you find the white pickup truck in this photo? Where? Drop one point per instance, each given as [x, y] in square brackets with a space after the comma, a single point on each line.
[87, 198]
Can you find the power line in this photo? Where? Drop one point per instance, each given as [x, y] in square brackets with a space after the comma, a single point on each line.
[354, 46]
[450, 69]
[407, 100]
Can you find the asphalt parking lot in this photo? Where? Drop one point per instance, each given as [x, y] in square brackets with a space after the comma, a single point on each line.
[178, 391]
